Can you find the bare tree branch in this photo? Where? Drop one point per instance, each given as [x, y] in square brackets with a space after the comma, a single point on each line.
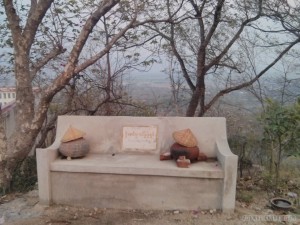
[254, 26]
[13, 21]
[37, 13]
[69, 71]
[37, 66]
[216, 21]
[250, 82]
[217, 59]
[96, 57]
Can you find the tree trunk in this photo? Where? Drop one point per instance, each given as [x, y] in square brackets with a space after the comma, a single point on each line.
[278, 161]
[198, 97]
[193, 104]
[28, 122]
[15, 148]
[20, 143]
[3, 150]
[202, 96]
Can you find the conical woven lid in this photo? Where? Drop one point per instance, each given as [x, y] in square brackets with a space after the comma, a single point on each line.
[185, 138]
[72, 134]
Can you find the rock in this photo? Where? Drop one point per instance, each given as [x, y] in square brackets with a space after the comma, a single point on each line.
[292, 195]
[269, 211]
[243, 205]
[212, 211]
[176, 212]
[271, 194]
[257, 208]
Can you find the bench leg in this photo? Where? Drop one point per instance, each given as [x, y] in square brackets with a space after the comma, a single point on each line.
[44, 157]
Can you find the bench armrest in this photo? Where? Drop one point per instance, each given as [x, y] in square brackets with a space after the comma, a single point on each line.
[44, 157]
[229, 163]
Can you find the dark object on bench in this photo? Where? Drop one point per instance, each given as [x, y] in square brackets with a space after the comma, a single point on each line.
[190, 153]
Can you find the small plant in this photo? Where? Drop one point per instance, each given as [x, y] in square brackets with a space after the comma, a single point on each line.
[244, 196]
[281, 133]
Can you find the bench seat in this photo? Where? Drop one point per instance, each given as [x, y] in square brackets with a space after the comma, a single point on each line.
[136, 165]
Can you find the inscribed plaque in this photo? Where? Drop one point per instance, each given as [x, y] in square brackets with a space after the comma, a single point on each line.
[139, 137]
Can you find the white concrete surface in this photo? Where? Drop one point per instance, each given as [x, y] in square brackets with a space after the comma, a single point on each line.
[136, 165]
[121, 191]
[139, 173]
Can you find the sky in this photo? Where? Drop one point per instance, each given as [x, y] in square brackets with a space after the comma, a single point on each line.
[156, 71]
[293, 2]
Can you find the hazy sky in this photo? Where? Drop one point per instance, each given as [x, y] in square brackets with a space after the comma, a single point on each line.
[292, 2]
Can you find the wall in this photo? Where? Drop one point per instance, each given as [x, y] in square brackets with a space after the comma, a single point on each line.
[7, 95]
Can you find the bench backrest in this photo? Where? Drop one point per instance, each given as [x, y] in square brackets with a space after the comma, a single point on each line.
[105, 133]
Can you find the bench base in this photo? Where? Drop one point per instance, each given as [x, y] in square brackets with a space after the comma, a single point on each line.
[135, 192]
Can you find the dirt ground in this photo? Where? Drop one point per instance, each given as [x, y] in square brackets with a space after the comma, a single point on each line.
[24, 209]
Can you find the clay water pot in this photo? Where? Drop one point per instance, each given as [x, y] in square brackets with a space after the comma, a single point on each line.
[74, 149]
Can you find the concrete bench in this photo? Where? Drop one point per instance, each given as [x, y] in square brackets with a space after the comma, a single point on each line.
[112, 176]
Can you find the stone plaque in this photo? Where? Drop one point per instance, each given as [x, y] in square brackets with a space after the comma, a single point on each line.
[139, 138]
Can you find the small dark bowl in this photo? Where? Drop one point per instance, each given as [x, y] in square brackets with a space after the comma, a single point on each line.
[281, 203]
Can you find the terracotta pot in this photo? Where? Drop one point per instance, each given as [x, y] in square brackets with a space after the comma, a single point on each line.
[190, 153]
[74, 149]
[183, 162]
